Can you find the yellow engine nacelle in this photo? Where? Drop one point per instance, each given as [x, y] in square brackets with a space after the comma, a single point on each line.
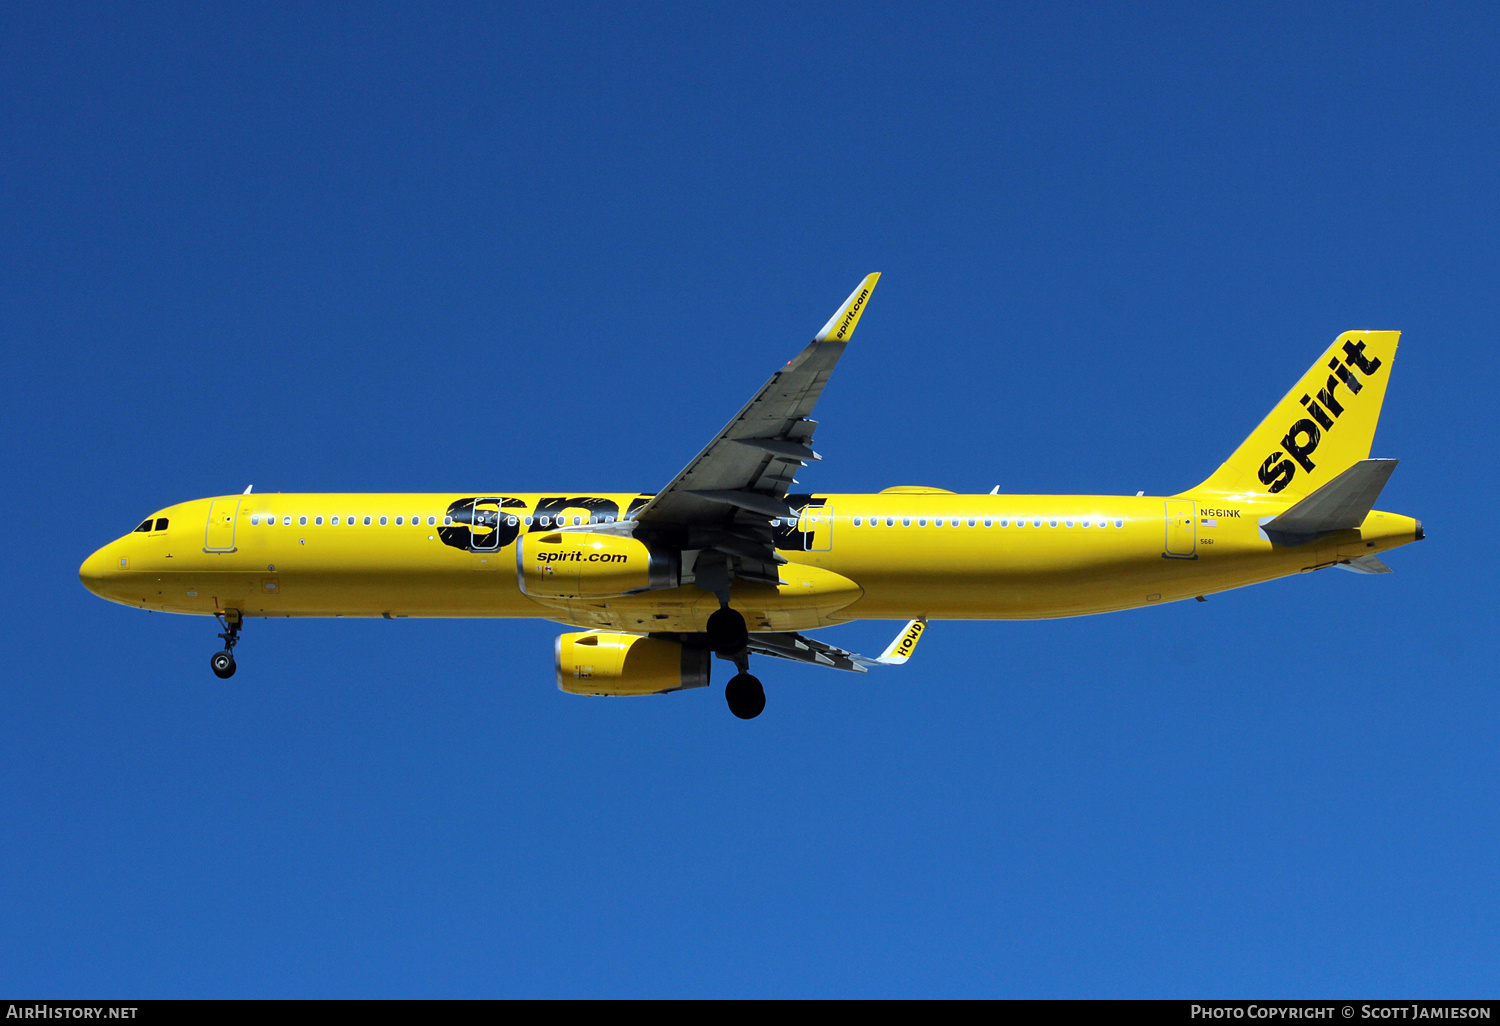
[605, 663]
[565, 565]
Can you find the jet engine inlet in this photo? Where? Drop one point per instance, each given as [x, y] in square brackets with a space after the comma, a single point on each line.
[566, 565]
[606, 663]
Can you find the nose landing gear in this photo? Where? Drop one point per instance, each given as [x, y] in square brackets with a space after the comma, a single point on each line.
[222, 663]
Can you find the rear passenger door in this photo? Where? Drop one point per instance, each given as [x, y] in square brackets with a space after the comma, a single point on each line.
[1182, 529]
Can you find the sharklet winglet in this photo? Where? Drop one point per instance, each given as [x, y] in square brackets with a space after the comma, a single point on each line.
[841, 325]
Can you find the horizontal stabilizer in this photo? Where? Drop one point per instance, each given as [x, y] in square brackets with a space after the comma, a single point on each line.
[1340, 505]
[1365, 565]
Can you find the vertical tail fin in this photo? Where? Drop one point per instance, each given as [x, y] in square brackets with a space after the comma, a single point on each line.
[1322, 427]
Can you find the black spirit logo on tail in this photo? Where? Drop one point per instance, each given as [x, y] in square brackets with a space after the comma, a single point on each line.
[1303, 436]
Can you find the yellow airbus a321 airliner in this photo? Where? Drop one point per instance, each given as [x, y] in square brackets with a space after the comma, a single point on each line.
[726, 561]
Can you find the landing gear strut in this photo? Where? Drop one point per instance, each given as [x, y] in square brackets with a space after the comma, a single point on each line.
[744, 694]
[222, 663]
[729, 638]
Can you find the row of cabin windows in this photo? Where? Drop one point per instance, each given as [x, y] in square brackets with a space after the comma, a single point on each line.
[989, 522]
[560, 521]
[160, 522]
[270, 520]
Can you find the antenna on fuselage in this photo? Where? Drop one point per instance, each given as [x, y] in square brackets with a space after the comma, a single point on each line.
[995, 490]
[247, 489]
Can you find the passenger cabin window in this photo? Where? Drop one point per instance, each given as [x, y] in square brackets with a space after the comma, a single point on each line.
[382, 521]
[318, 521]
[367, 521]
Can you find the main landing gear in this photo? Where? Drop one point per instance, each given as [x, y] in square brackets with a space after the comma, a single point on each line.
[222, 663]
[745, 696]
[728, 636]
[727, 633]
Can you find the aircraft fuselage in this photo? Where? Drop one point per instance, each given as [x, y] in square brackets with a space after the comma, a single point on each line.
[859, 556]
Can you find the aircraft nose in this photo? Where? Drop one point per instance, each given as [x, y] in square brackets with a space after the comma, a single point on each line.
[96, 569]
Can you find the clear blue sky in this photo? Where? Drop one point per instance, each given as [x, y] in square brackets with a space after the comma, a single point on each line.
[439, 248]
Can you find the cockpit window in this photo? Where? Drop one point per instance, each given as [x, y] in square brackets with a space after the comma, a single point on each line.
[161, 523]
[146, 526]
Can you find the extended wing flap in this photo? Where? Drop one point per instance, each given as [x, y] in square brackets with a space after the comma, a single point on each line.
[802, 649]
